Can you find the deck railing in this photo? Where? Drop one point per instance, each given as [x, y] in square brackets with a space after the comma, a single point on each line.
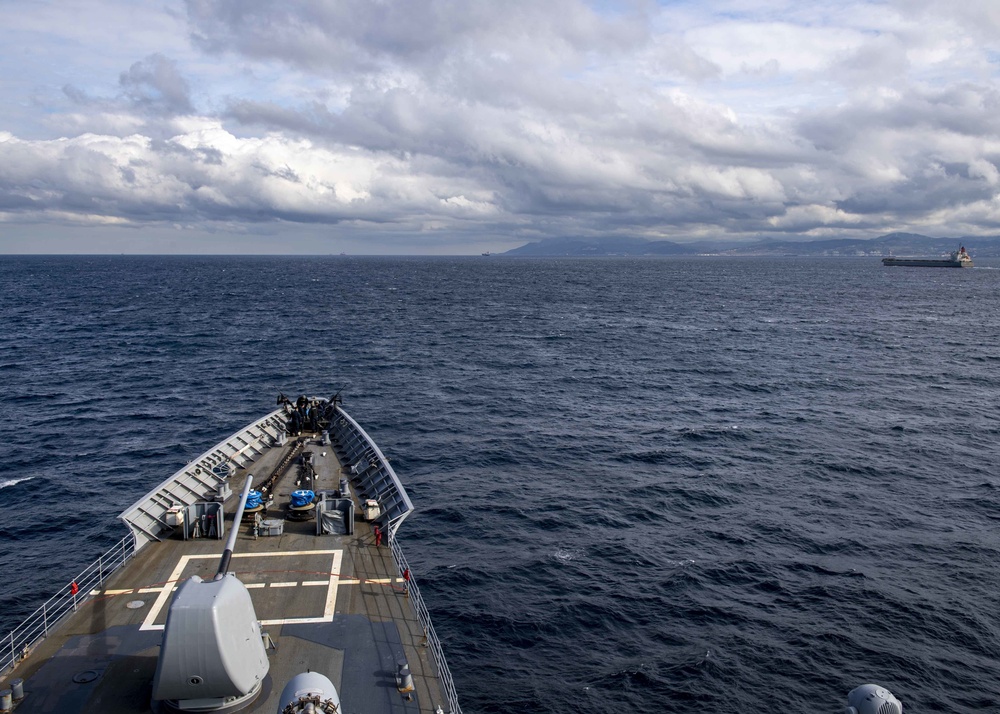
[371, 472]
[15, 645]
[447, 683]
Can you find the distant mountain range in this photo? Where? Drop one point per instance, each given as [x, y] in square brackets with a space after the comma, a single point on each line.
[891, 243]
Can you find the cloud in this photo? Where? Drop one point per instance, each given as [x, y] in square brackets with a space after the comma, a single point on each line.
[155, 83]
[206, 173]
[356, 35]
[943, 140]
[459, 119]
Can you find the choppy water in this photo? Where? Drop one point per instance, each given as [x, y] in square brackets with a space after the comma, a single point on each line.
[715, 485]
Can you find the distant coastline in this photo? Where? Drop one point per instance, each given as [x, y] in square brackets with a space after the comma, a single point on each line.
[889, 244]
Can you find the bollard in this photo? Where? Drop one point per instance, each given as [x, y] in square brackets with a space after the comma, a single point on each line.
[17, 689]
[6, 701]
[404, 680]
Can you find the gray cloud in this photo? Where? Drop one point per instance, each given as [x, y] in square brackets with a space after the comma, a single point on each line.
[362, 36]
[917, 152]
[155, 83]
[445, 118]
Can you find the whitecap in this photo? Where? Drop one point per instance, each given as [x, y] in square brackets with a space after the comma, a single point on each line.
[12, 481]
[681, 563]
[564, 554]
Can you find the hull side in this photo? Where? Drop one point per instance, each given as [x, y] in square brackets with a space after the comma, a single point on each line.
[921, 263]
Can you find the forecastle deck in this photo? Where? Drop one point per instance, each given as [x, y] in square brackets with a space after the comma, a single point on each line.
[337, 604]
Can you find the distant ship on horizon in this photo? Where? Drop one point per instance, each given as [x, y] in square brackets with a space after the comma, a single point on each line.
[958, 259]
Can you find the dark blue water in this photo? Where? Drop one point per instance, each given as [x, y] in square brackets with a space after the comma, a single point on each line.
[714, 485]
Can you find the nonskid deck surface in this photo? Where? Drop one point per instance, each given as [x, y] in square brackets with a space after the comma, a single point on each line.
[334, 604]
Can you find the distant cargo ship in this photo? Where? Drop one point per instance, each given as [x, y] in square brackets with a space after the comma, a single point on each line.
[958, 259]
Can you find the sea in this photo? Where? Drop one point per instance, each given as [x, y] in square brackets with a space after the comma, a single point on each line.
[699, 484]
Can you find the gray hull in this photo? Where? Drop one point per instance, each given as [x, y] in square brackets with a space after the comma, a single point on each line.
[927, 263]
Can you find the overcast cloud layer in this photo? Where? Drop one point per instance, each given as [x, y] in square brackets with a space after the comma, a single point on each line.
[449, 126]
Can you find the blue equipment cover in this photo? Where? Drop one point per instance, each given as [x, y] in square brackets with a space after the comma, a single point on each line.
[253, 499]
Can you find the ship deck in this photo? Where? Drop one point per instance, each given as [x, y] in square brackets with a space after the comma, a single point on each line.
[333, 604]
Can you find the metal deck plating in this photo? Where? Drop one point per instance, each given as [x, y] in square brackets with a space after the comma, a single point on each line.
[334, 604]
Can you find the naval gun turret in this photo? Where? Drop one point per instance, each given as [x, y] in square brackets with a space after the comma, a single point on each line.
[872, 699]
[309, 693]
[212, 658]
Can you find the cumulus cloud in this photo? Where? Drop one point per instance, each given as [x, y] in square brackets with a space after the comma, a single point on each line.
[909, 155]
[461, 118]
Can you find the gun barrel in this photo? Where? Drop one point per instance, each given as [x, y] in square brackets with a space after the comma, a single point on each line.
[227, 554]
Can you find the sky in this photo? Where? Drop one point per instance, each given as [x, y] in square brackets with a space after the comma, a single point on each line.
[459, 126]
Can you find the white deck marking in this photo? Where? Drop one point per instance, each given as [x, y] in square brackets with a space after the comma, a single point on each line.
[165, 591]
[331, 593]
[307, 583]
[255, 585]
[283, 585]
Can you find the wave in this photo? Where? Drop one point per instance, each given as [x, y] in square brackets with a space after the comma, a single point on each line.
[13, 481]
